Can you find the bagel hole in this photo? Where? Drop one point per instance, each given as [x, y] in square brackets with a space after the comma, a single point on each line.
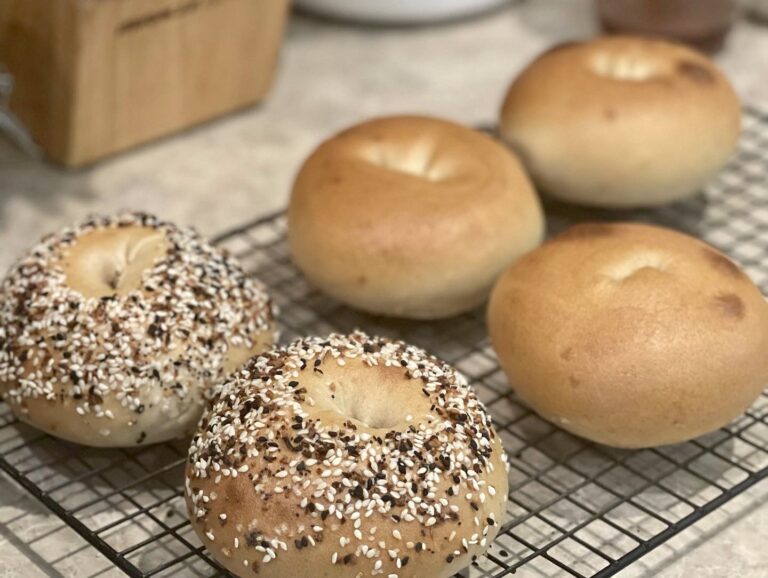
[624, 66]
[373, 410]
[636, 264]
[112, 261]
[419, 160]
[112, 274]
[376, 419]
[376, 397]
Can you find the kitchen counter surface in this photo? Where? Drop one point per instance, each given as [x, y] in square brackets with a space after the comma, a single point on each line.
[235, 169]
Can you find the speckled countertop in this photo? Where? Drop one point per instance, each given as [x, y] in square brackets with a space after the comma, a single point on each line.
[232, 170]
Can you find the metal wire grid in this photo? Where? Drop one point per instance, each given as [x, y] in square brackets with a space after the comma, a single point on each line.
[575, 508]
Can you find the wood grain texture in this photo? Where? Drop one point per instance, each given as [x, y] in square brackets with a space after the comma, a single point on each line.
[97, 76]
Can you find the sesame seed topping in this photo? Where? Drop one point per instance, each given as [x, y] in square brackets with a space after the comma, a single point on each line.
[340, 476]
[160, 343]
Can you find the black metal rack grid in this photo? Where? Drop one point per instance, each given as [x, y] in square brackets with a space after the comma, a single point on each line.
[575, 508]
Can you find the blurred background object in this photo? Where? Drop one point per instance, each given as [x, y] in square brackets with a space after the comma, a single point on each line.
[9, 124]
[93, 78]
[758, 9]
[398, 11]
[700, 23]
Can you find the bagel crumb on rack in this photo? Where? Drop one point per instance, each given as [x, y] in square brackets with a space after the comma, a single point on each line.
[282, 475]
[128, 365]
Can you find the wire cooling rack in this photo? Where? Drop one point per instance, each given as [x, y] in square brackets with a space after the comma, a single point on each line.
[575, 508]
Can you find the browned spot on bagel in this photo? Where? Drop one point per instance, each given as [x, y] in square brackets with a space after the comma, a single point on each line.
[586, 231]
[696, 72]
[679, 414]
[723, 264]
[730, 304]
[362, 280]
[567, 353]
[609, 114]
[574, 381]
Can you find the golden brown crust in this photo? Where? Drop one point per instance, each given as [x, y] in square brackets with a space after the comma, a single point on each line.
[411, 216]
[112, 331]
[631, 335]
[621, 121]
[346, 456]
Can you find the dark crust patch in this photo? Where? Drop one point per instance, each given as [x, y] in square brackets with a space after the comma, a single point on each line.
[723, 264]
[695, 72]
[730, 304]
[567, 354]
[586, 231]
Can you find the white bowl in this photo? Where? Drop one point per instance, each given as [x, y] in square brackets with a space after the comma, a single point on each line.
[398, 11]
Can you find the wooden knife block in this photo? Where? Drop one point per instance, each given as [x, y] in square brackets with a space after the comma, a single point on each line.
[93, 77]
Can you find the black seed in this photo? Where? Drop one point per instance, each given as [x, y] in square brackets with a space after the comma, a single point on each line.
[357, 492]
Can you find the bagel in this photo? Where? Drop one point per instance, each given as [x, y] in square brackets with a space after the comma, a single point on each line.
[112, 332]
[411, 216]
[631, 335]
[621, 121]
[346, 456]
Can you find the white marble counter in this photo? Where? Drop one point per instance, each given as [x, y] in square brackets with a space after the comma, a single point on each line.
[235, 169]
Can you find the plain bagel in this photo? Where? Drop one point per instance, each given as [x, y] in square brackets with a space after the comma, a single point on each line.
[631, 335]
[346, 456]
[621, 121]
[411, 216]
[112, 332]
